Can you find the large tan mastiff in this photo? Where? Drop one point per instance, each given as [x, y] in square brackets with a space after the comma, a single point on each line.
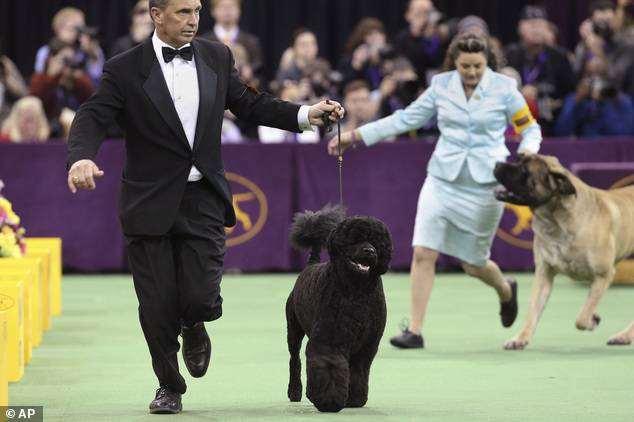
[580, 231]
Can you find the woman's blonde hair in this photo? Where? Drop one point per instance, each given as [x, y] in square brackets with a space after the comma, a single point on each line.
[11, 128]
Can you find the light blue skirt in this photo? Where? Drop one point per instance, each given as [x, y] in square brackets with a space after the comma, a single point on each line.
[458, 218]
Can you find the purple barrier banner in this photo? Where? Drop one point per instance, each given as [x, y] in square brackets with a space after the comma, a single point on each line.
[271, 183]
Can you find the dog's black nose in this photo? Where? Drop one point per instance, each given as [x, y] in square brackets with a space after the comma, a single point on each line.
[369, 250]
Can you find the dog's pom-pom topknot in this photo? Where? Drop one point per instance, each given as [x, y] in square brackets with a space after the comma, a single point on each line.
[311, 229]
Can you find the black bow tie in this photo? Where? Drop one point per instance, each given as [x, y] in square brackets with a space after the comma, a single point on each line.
[186, 53]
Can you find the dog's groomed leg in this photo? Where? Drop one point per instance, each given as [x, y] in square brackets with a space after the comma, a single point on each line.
[360, 377]
[294, 337]
[542, 287]
[327, 377]
[587, 319]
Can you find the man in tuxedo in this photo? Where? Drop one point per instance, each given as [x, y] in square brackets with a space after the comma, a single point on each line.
[169, 95]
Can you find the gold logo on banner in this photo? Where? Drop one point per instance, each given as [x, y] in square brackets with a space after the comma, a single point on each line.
[6, 302]
[623, 182]
[523, 217]
[251, 209]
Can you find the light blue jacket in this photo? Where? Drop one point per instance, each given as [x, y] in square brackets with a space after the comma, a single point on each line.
[471, 131]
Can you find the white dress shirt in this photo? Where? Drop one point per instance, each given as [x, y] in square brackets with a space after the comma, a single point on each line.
[182, 82]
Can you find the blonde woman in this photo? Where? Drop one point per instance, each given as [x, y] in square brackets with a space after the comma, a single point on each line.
[27, 122]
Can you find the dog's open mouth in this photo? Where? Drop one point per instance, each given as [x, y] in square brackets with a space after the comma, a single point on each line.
[359, 267]
[503, 194]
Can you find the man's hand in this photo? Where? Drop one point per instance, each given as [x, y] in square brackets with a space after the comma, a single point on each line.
[316, 112]
[82, 175]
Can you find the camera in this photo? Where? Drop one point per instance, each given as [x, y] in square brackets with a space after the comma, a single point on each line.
[318, 89]
[435, 16]
[601, 28]
[387, 52]
[74, 63]
[92, 31]
[407, 87]
[605, 89]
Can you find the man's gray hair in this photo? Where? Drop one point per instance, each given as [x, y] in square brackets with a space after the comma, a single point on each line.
[158, 3]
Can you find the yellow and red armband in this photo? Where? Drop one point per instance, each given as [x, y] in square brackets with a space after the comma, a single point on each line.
[522, 119]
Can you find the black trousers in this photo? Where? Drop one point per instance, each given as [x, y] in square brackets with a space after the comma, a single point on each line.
[177, 277]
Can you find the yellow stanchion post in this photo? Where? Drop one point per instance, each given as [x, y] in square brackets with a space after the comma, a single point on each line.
[55, 244]
[44, 254]
[35, 266]
[4, 359]
[11, 301]
[26, 277]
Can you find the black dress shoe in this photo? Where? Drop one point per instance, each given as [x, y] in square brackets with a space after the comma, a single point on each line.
[508, 310]
[408, 340]
[196, 349]
[166, 401]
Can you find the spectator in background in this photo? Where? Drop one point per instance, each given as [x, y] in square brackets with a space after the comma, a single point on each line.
[289, 91]
[398, 89]
[12, 86]
[318, 81]
[62, 87]
[141, 27]
[545, 70]
[27, 122]
[303, 49]
[424, 41]
[620, 14]
[66, 24]
[226, 14]
[367, 48]
[600, 37]
[359, 108]
[248, 131]
[532, 105]
[597, 108]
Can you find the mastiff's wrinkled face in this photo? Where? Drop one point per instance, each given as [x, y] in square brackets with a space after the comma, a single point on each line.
[533, 180]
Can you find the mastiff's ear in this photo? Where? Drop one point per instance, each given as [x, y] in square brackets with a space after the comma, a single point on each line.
[560, 183]
[558, 176]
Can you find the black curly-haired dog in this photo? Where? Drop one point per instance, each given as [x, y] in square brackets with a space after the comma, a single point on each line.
[339, 305]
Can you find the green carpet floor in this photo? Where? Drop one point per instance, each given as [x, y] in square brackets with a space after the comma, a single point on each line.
[93, 365]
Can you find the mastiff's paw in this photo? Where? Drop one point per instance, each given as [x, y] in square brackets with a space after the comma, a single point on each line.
[619, 340]
[515, 344]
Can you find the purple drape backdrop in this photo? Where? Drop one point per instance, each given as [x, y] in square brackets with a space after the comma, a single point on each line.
[270, 183]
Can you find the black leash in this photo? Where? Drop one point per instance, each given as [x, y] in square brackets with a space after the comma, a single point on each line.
[328, 128]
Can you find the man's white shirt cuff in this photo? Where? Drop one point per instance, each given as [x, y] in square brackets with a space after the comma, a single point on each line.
[302, 119]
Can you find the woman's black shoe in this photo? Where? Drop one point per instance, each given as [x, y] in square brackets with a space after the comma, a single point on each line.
[508, 310]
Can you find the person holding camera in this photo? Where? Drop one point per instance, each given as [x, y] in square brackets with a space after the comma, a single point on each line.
[303, 49]
[545, 70]
[63, 86]
[367, 48]
[12, 86]
[597, 107]
[424, 41]
[600, 37]
[141, 27]
[69, 25]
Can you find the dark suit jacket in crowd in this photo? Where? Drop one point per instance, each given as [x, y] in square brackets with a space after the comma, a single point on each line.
[158, 156]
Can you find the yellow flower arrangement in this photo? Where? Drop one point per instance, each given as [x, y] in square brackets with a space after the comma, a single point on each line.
[11, 234]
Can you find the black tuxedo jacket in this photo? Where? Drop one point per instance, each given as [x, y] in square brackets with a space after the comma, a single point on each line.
[158, 159]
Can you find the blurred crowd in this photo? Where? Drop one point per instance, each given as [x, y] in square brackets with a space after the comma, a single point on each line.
[581, 93]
